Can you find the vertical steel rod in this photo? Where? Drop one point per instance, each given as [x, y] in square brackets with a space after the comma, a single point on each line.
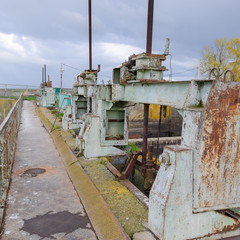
[45, 73]
[90, 33]
[145, 133]
[159, 129]
[150, 26]
[146, 106]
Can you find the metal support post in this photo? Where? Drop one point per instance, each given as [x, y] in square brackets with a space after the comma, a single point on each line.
[90, 33]
[45, 73]
[145, 133]
[150, 26]
[42, 75]
[5, 91]
[61, 72]
[159, 129]
[146, 106]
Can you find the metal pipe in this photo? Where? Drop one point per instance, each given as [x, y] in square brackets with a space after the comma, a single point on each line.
[150, 26]
[146, 106]
[145, 133]
[225, 75]
[45, 73]
[159, 129]
[212, 71]
[150, 153]
[90, 33]
[61, 73]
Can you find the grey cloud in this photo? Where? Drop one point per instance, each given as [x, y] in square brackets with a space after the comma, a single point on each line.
[60, 30]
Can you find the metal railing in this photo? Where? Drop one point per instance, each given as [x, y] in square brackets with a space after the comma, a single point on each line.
[8, 135]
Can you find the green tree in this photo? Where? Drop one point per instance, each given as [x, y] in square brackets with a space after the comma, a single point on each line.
[233, 46]
[224, 55]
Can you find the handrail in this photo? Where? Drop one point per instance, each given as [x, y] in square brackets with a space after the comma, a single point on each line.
[8, 136]
[6, 119]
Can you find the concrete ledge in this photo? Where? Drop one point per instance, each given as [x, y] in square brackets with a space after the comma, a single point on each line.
[103, 220]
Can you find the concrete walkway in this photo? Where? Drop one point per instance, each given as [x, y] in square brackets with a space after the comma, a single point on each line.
[42, 203]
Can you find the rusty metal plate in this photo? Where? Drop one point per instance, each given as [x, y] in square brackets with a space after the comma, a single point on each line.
[217, 167]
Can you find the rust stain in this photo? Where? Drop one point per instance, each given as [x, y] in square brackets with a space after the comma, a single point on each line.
[220, 156]
[231, 227]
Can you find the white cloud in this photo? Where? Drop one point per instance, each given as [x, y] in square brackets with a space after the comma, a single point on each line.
[10, 43]
[117, 52]
[14, 48]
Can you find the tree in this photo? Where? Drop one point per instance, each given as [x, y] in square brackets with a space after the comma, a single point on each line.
[233, 46]
[224, 55]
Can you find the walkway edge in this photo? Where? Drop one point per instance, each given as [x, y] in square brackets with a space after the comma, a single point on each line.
[103, 220]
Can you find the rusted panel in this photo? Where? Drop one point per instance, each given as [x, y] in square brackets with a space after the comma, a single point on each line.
[217, 168]
[130, 165]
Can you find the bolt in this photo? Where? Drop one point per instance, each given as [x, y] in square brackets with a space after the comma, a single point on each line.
[165, 157]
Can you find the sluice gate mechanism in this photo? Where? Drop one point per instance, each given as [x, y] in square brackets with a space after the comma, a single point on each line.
[196, 192]
[197, 185]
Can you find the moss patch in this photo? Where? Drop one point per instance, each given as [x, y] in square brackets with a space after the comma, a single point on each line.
[125, 206]
[130, 212]
[199, 105]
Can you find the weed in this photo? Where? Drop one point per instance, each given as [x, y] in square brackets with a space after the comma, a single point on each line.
[199, 105]
[134, 147]
[29, 98]
[76, 131]
[103, 162]
[10, 97]
[56, 126]
[60, 115]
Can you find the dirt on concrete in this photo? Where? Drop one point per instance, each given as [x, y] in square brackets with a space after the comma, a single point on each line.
[130, 212]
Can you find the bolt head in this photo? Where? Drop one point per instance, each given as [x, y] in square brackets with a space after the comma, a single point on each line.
[165, 158]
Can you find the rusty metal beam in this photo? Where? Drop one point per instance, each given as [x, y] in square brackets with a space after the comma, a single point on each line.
[90, 33]
[159, 129]
[150, 26]
[145, 133]
[130, 165]
[45, 73]
[149, 51]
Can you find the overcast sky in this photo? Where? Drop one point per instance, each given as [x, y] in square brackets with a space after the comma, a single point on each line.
[34, 32]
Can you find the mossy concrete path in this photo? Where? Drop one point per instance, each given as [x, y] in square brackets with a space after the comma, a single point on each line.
[42, 202]
[129, 211]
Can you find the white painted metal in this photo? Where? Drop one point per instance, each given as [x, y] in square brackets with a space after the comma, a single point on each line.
[171, 198]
